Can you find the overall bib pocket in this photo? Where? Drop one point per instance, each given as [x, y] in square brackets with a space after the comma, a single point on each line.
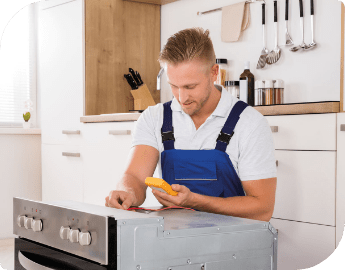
[199, 176]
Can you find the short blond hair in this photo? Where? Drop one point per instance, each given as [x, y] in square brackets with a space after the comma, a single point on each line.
[187, 45]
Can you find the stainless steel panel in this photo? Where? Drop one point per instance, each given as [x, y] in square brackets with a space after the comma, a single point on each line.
[53, 217]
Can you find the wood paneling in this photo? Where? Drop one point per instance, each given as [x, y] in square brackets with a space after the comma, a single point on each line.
[302, 108]
[155, 2]
[119, 35]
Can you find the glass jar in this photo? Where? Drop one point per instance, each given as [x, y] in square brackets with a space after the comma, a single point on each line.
[279, 92]
[233, 87]
[223, 67]
[259, 93]
[269, 93]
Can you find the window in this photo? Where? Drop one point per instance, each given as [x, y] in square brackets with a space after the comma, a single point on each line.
[18, 68]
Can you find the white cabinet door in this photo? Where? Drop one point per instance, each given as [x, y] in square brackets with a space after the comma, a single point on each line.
[302, 245]
[61, 70]
[304, 132]
[340, 191]
[306, 186]
[62, 173]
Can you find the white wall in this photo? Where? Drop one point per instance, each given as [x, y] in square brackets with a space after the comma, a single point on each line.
[310, 76]
[20, 175]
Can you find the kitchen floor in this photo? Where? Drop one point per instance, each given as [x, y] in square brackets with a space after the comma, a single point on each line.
[7, 254]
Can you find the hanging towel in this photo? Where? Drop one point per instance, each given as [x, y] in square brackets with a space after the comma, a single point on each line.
[235, 19]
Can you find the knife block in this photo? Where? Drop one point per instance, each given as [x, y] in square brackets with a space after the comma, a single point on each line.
[142, 98]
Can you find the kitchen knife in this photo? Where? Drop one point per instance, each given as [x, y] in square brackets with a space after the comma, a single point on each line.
[137, 82]
[131, 81]
[139, 77]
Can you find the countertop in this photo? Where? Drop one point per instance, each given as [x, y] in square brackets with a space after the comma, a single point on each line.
[283, 109]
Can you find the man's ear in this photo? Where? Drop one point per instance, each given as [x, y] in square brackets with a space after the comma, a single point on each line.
[214, 72]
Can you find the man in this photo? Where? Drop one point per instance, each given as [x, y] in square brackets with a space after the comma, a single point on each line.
[216, 151]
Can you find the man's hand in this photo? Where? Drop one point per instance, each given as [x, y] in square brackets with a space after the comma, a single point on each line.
[120, 199]
[183, 199]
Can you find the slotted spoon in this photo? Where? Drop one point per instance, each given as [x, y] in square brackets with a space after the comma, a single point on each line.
[275, 54]
[262, 59]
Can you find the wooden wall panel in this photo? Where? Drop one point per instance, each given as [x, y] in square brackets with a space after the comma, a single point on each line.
[155, 2]
[119, 35]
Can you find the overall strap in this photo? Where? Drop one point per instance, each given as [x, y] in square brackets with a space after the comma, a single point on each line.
[228, 130]
[167, 130]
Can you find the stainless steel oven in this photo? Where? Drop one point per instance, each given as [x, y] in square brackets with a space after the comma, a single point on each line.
[72, 235]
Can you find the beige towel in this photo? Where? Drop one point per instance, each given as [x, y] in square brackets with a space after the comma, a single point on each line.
[235, 19]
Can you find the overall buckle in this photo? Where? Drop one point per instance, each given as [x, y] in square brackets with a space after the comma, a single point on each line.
[224, 137]
[168, 136]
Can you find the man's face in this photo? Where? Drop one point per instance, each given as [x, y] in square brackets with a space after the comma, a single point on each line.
[191, 84]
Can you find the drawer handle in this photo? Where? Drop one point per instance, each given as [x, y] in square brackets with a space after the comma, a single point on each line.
[277, 163]
[71, 132]
[342, 127]
[66, 154]
[119, 132]
[274, 128]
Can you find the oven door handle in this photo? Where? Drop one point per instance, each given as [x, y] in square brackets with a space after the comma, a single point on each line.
[29, 264]
[39, 262]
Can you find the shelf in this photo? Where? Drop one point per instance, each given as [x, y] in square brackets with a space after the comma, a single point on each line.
[155, 2]
[300, 108]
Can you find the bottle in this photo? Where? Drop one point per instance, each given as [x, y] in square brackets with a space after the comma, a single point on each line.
[279, 92]
[249, 77]
[269, 92]
[233, 88]
[221, 78]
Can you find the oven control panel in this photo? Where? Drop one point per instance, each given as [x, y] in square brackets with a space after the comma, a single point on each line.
[74, 231]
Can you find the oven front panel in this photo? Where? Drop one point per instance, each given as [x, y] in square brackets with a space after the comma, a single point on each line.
[84, 234]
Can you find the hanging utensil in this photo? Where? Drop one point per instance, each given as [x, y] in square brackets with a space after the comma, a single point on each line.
[302, 46]
[312, 45]
[262, 59]
[288, 38]
[275, 54]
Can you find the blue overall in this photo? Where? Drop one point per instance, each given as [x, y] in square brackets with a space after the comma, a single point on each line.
[206, 172]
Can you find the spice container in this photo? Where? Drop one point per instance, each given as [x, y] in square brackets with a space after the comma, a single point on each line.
[223, 66]
[259, 93]
[279, 92]
[269, 93]
[233, 87]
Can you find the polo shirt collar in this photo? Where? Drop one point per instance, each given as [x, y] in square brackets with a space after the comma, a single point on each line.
[222, 108]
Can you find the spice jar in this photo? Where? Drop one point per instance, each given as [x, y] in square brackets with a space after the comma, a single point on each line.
[223, 66]
[279, 92]
[233, 87]
[259, 93]
[269, 93]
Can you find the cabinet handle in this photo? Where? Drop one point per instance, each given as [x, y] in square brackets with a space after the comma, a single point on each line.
[342, 127]
[277, 163]
[274, 128]
[119, 132]
[66, 154]
[71, 132]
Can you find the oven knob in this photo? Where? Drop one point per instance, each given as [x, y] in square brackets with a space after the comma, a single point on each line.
[28, 222]
[64, 232]
[20, 221]
[74, 236]
[84, 238]
[37, 225]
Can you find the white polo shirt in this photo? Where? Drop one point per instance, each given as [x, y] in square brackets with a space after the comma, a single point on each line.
[251, 149]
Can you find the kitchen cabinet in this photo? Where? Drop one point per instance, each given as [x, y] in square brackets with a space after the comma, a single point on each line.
[340, 184]
[62, 173]
[306, 184]
[306, 213]
[302, 245]
[60, 67]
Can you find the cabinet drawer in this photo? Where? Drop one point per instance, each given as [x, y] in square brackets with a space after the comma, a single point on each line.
[302, 245]
[304, 132]
[108, 133]
[62, 173]
[306, 186]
